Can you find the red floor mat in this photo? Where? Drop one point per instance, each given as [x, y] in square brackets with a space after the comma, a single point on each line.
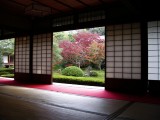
[73, 89]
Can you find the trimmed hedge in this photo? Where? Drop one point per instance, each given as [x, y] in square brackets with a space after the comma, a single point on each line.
[4, 73]
[80, 82]
[72, 71]
[9, 70]
[93, 81]
[8, 75]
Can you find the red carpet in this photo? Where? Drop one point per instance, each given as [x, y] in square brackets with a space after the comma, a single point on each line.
[100, 93]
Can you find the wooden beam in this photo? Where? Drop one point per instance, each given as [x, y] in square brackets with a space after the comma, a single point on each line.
[83, 3]
[15, 2]
[48, 6]
[66, 5]
[130, 6]
[101, 1]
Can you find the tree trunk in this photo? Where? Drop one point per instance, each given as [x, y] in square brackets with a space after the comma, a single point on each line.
[100, 65]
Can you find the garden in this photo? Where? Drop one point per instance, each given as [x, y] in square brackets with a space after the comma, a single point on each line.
[6, 50]
[79, 57]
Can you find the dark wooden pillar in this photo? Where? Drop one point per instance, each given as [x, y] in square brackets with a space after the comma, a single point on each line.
[144, 57]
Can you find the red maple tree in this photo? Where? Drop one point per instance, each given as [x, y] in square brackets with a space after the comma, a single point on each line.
[81, 50]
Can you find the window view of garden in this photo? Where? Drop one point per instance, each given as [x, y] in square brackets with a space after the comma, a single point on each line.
[7, 58]
[79, 56]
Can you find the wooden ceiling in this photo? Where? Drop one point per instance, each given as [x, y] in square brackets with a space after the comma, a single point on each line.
[57, 6]
[15, 18]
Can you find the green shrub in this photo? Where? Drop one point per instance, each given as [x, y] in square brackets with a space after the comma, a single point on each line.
[93, 74]
[72, 71]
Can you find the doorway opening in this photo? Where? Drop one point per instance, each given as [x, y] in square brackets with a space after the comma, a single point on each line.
[79, 56]
[7, 58]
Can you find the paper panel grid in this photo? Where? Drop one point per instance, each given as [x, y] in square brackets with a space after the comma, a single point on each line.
[123, 51]
[154, 50]
[42, 54]
[22, 51]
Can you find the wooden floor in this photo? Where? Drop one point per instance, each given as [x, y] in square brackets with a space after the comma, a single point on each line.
[18, 103]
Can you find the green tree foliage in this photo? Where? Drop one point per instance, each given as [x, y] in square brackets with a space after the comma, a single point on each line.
[97, 30]
[70, 37]
[56, 53]
[1, 59]
[7, 46]
[57, 38]
[60, 36]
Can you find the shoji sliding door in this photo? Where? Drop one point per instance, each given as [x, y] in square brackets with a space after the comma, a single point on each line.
[123, 56]
[33, 58]
[154, 56]
[42, 58]
[22, 58]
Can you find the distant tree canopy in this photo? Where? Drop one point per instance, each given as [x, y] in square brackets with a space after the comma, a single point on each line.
[82, 49]
[1, 58]
[60, 36]
[98, 30]
[57, 53]
[6, 48]
[96, 53]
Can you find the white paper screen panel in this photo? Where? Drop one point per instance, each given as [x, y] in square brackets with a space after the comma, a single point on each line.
[42, 47]
[154, 50]
[22, 51]
[123, 51]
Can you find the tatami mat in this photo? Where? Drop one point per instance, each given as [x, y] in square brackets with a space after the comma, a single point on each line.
[21, 103]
